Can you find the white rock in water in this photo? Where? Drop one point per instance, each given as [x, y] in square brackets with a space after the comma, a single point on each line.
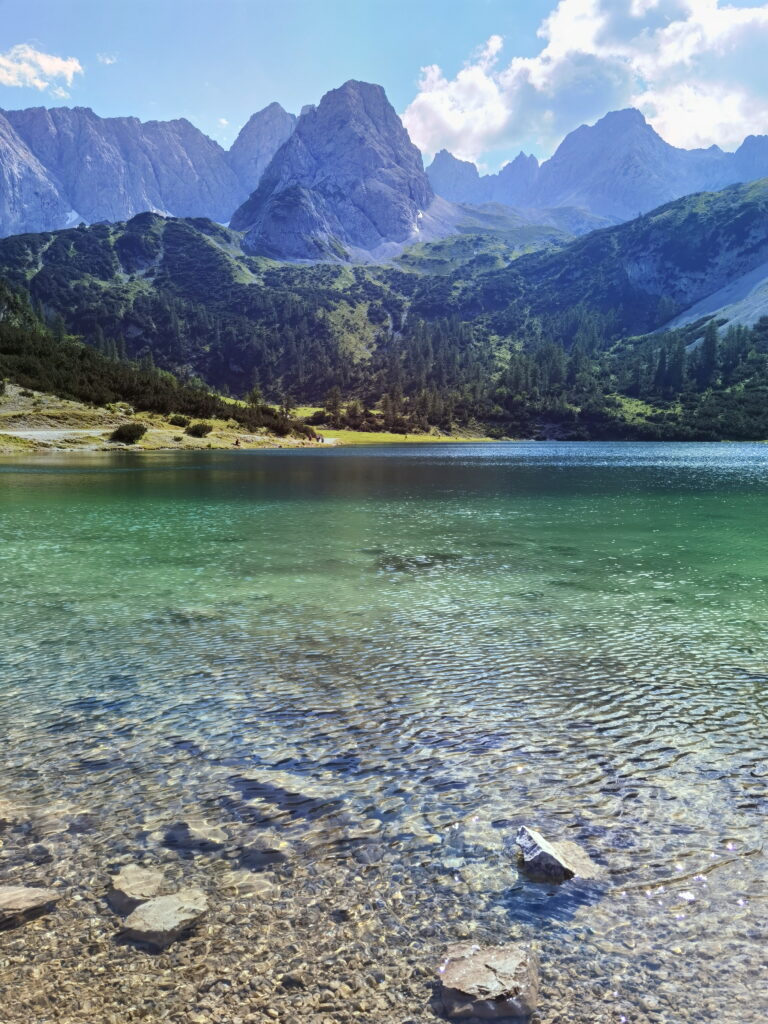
[489, 983]
[162, 920]
[17, 901]
[134, 885]
[553, 862]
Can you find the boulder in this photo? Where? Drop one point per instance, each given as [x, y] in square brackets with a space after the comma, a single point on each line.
[134, 885]
[543, 861]
[489, 983]
[162, 920]
[18, 902]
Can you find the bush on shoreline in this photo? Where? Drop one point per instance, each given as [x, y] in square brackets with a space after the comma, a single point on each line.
[198, 429]
[128, 433]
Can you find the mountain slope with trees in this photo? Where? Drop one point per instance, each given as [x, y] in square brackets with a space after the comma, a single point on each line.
[552, 342]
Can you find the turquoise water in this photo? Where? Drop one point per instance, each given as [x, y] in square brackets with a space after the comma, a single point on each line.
[382, 662]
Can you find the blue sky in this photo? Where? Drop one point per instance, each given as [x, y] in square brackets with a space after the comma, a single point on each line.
[482, 77]
[208, 60]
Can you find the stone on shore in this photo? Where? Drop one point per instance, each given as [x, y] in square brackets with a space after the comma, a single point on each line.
[134, 885]
[162, 920]
[18, 902]
[489, 983]
[543, 861]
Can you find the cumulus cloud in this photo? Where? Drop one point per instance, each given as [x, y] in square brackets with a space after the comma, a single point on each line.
[106, 58]
[694, 67]
[22, 65]
[223, 121]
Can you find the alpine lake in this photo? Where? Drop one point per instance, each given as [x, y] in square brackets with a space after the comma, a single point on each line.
[327, 687]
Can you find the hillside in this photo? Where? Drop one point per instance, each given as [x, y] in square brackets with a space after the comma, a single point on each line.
[36, 362]
[639, 274]
[519, 328]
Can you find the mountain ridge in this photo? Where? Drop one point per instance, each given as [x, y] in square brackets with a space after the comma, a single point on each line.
[617, 168]
[66, 164]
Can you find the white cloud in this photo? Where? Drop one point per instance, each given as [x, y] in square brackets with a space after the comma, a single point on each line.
[24, 66]
[106, 58]
[694, 67]
[223, 121]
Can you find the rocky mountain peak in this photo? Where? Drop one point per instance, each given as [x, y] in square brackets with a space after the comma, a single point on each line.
[259, 139]
[347, 178]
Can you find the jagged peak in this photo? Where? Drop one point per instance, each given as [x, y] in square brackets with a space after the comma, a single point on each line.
[445, 156]
[628, 116]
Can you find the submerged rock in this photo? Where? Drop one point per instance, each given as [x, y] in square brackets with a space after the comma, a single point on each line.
[247, 883]
[195, 834]
[134, 885]
[543, 861]
[12, 814]
[488, 878]
[489, 983]
[162, 920]
[18, 902]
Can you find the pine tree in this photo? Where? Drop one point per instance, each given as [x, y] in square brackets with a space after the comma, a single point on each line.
[708, 356]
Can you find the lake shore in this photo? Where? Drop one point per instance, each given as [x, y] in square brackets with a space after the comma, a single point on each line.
[33, 423]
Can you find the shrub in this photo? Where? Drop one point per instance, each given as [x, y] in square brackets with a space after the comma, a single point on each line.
[128, 433]
[198, 429]
[178, 421]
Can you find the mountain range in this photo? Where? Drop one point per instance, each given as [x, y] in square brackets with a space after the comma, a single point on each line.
[616, 169]
[64, 166]
[342, 181]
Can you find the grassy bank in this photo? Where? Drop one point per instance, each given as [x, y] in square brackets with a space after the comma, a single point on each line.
[355, 437]
[32, 421]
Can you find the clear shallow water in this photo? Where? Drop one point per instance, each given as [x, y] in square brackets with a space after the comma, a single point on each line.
[382, 662]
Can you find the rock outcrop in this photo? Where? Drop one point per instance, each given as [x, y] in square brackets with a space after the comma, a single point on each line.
[489, 983]
[343, 176]
[348, 178]
[29, 200]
